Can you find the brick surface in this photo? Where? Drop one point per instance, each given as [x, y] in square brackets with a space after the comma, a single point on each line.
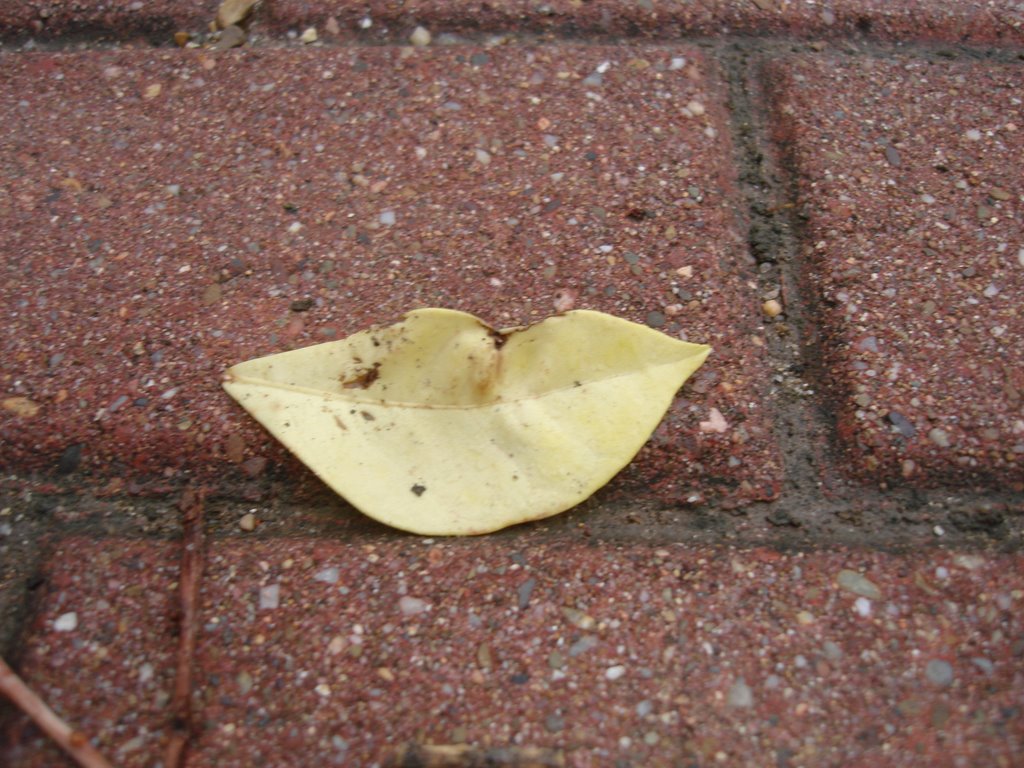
[100, 651]
[44, 19]
[989, 22]
[166, 212]
[324, 652]
[908, 174]
[993, 21]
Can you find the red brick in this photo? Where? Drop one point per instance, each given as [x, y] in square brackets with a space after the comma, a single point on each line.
[391, 21]
[520, 641]
[650, 642]
[111, 676]
[908, 173]
[165, 209]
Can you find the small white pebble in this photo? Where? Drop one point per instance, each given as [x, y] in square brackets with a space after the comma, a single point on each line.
[421, 153]
[295, 227]
[862, 606]
[420, 37]
[328, 575]
[308, 35]
[942, 572]
[677, 63]
[387, 218]
[270, 597]
[939, 436]
[482, 156]
[938, 530]
[410, 606]
[695, 108]
[67, 622]
[614, 673]
[716, 422]
[973, 134]
[740, 695]
[365, 23]
[323, 690]
[969, 562]
[1020, 257]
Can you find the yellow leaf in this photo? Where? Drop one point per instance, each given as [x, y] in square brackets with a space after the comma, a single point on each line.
[442, 425]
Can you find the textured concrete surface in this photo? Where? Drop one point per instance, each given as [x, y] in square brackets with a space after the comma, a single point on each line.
[814, 561]
[218, 208]
[324, 652]
[913, 248]
[944, 21]
[102, 649]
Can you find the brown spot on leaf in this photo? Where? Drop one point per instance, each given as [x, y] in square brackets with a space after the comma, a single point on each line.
[418, 489]
[497, 337]
[364, 379]
[340, 423]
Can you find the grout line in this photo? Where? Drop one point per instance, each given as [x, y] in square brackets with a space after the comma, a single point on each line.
[804, 431]
[773, 246]
[160, 37]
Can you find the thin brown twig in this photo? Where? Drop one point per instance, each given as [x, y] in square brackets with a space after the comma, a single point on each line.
[75, 743]
[191, 571]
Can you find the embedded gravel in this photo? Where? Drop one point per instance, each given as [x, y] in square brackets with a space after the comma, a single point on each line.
[985, 22]
[988, 22]
[326, 652]
[916, 260]
[175, 212]
[99, 650]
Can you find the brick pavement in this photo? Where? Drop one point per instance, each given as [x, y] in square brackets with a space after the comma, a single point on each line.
[832, 580]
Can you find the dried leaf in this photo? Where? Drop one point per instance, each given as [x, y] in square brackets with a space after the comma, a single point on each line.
[442, 425]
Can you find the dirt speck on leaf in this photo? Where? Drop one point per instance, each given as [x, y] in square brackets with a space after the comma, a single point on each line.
[364, 379]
